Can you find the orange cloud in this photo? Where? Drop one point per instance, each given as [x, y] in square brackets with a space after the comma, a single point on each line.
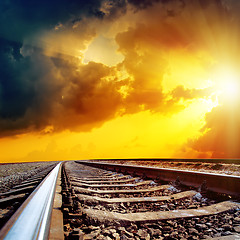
[181, 93]
[221, 133]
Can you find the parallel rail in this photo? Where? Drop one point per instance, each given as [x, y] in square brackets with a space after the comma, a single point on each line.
[32, 219]
[195, 160]
[113, 208]
[215, 182]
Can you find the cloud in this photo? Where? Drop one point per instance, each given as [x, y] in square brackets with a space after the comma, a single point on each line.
[90, 97]
[38, 70]
[27, 86]
[38, 91]
[146, 47]
[181, 93]
[221, 133]
[111, 8]
[23, 18]
[142, 4]
[44, 85]
[168, 4]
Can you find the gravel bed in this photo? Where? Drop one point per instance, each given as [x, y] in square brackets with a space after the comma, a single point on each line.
[220, 168]
[13, 174]
[169, 205]
[224, 224]
[122, 188]
[83, 227]
[165, 192]
[74, 169]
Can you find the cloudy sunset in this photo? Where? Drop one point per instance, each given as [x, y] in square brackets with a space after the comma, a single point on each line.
[119, 79]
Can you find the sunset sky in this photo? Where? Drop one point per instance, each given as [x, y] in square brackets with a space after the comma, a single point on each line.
[119, 79]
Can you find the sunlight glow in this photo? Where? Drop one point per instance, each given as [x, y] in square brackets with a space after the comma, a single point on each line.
[231, 88]
[227, 84]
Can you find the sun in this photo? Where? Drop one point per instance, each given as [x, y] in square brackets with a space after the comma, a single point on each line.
[230, 89]
[227, 84]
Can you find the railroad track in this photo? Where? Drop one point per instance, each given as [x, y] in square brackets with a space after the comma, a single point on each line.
[87, 200]
[11, 200]
[103, 204]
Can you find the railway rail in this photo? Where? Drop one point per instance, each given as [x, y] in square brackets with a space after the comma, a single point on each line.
[31, 219]
[11, 199]
[205, 160]
[94, 200]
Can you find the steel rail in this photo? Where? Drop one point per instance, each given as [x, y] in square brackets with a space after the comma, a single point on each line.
[219, 183]
[32, 219]
[189, 160]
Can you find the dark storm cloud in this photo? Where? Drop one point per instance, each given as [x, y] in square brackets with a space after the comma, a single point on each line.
[38, 91]
[111, 9]
[142, 4]
[20, 18]
[28, 89]
[15, 93]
